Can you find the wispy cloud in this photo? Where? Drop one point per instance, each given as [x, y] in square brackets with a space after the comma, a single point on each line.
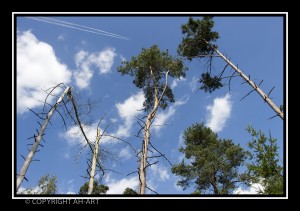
[84, 61]
[176, 81]
[38, 69]
[73, 135]
[219, 113]
[77, 27]
[160, 171]
[61, 37]
[123, 59]
[164, 116]
[125, 153]
[193, 84]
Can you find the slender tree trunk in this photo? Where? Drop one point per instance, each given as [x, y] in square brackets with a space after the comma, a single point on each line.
[150, 117]
[251, 83]
[143, 162]
[94, 162]
[38, 139]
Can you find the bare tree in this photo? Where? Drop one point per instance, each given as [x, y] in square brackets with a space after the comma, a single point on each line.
[38, 138]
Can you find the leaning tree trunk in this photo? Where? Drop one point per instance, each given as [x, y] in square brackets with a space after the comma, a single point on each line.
[94, 162]
[38, 139]
[265, 97]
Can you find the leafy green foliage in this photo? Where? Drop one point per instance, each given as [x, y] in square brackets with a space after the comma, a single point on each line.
[198, 34]
[265, 166]
[214, 163]
[209, 83]
[46, 185]
[97, 189]
[159, 62]
[129, 191]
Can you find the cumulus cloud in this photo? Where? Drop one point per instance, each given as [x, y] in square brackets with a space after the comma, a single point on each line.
[85, 61]
[127, 110]
[253, 189]
[219, 113]
[38, 69]
[118, 187]
[163, 116]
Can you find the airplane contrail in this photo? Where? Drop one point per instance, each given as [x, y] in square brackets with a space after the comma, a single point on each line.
[77, 26]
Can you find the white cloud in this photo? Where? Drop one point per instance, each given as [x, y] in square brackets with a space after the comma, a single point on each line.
[160, 171]
[84, 61]
[254, 189]
[176, 81]
[74, 136]
[38, 69]
[125, 154]
[193, 84]
[219, 113]
[118, 187]
[163, 116]
[127, 110]
[104, 60]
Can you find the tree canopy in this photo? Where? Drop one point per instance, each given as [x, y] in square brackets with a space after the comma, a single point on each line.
[98, 189]
[200, 38]
[265, 168]
[129, 191]
[213, 164]
[46, 185]
[148, 70]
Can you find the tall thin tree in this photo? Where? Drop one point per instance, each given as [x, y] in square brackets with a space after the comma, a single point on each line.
[150, 70]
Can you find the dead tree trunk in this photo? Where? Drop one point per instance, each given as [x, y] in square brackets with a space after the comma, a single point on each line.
[150, 117]
[38, 139]
[265, 97]
[94, 162]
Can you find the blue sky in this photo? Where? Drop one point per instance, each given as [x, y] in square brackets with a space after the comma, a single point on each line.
[50, 53]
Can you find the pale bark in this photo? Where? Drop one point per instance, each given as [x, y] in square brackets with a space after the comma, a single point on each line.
[265, 97]
[94, 162]
[150, 117]
[38, 139]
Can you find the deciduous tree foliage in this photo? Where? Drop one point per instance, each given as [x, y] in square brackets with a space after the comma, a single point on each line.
[98, 189]
[150, 70]
[213, 164]
[265, 167]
